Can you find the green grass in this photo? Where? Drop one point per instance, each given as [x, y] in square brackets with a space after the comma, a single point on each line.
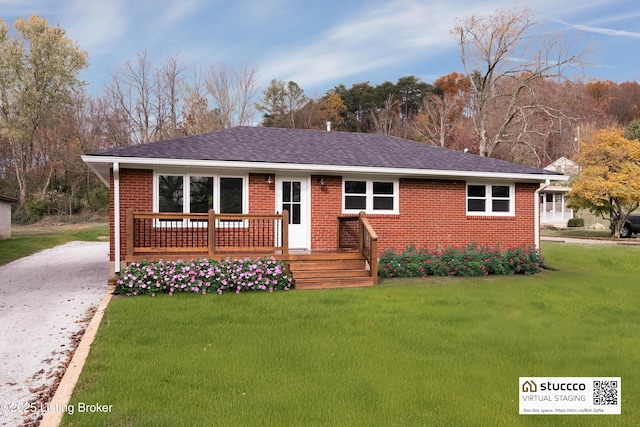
[436, 351]
[27, 240]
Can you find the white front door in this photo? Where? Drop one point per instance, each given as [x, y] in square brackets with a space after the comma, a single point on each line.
[292, 195]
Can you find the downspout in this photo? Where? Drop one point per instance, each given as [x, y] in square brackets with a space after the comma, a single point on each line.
[536, 235]
[116, 215]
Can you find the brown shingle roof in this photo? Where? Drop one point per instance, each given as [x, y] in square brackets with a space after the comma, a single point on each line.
[296, 146]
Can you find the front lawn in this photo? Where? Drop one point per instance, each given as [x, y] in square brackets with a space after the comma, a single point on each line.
[434, 351]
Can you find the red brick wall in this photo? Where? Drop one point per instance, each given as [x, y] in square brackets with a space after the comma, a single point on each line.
[326, 207]
[432, 213]
[262, 195]
[136, 192]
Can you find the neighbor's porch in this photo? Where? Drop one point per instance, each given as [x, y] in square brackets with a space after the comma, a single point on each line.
[153, 236]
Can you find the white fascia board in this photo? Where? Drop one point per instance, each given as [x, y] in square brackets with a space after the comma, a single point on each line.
[318, 169]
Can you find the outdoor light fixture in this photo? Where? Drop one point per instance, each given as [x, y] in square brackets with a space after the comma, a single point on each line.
[269, 179]
[321, 180]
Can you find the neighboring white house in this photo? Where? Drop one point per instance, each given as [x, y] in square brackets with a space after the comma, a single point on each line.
[5, 216]
[553, 205]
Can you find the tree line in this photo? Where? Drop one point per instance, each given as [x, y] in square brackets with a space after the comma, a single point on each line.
[526, 111]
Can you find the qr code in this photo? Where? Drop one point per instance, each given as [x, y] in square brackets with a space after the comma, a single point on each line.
[605, 392]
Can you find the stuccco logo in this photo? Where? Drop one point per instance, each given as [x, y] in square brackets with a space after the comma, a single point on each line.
[549, 386]
[530, 386]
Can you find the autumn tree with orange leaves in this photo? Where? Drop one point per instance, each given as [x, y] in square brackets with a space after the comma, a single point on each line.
[609, 184]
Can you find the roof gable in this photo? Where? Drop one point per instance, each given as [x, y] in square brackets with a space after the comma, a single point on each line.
[311, 147]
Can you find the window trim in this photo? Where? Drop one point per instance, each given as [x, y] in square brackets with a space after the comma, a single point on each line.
[489, 199]
[369, 196]
[186, 196]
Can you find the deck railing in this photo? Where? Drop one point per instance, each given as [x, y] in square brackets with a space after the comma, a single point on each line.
[205, 234]
[355, 232]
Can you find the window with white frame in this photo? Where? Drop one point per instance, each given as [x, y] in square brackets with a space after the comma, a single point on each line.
[371, 196]
[490, 199]
[194, 193]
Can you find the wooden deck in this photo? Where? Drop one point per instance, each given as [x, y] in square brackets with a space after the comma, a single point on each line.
[354, 263]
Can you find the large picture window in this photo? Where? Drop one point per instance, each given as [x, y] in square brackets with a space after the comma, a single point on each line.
[490, 199]
[371, 196]
[192, 193]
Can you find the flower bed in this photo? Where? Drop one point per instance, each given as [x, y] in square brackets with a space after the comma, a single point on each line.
[470, 261]
[204, 276]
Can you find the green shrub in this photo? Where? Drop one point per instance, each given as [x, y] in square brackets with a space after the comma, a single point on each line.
[469, 261]
[36, 209]
[575, 222]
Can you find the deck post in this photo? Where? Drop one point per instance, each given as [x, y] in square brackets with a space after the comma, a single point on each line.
[361, 215]
[374, 260]
[285, 232]
[130, 232]
[211, 231]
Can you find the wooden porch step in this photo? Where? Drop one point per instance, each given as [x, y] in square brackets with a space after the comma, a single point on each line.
[331, 273]
[358, 282]
[340, 264]
[329, 270]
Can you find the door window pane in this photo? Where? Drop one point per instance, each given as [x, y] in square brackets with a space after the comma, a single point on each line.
[170, 193]
[286, 191]
[294, 216]
[295, 190]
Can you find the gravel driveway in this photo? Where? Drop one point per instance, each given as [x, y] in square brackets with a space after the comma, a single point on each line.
[45, 302]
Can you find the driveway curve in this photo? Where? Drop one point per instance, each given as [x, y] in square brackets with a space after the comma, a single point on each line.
[45, 302]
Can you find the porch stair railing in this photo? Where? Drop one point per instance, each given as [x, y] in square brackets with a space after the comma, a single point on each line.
[356, 233]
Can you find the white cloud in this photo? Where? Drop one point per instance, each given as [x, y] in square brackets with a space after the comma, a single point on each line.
[178, 10]
[607, 31]
[387, 35]
[97, 26]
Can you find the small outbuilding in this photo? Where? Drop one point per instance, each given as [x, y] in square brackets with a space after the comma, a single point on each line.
[5, 216]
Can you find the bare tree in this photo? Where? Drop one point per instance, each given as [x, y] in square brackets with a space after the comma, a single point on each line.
[197, 116]
[502, 61]
[170, 84]
[385, 117]
[132, 93]
[441, 113]
[233, 93]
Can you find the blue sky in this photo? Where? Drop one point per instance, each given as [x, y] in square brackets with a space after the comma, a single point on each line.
[320, 44]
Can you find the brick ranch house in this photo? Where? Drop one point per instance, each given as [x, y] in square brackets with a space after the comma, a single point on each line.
[411, 193]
